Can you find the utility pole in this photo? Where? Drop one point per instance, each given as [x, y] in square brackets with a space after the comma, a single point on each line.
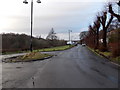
[69, 34]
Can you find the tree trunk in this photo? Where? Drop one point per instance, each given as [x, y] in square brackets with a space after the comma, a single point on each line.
[104, 39]
[97, 39]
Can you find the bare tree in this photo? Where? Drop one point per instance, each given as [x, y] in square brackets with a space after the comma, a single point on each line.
[103, 20]
[52, 35]
[92, 36]
[97, 26]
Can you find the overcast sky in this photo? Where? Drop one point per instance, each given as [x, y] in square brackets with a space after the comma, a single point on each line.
[62, 15]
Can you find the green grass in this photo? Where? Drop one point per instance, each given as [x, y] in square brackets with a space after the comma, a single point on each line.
[117, 59]
[108, 54]
[60, 48]
[93, 51]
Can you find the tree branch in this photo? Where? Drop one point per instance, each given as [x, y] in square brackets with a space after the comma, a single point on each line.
[114, 14]
[110, 20]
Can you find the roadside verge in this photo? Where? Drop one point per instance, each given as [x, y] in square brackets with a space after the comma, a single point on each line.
[106, 55]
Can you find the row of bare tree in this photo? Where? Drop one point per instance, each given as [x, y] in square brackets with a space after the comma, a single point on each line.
[103, 21]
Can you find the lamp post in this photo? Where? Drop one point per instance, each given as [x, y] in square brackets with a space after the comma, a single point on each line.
[26, 2]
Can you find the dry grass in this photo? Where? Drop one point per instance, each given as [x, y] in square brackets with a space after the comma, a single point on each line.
[33, 55]
[29, 57]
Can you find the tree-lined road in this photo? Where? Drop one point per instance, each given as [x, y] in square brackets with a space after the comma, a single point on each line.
[74, 68]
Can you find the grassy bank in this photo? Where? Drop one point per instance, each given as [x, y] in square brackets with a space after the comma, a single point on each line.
[60, 48]
[107, 55]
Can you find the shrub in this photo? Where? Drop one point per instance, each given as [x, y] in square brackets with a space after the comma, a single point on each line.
[115, 49]
[19, 42]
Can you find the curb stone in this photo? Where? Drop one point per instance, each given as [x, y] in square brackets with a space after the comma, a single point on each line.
[26, 61]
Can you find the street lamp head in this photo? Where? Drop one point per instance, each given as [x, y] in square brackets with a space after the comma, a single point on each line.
[38, 1]
[25, 1]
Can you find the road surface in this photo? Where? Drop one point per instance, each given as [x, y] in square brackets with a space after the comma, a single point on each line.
[74, 68]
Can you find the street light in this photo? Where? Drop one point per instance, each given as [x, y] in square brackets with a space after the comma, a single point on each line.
[38, 1]
[25, 1]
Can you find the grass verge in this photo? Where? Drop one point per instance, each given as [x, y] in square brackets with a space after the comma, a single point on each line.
[60, 48]
[107, 55]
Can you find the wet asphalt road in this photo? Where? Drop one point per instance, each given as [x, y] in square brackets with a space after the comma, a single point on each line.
[74, 68]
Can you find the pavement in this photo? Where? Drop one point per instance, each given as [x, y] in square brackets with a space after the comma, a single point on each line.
[77, 67]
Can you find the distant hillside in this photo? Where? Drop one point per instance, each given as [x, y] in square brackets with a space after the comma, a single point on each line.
[20, 42]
